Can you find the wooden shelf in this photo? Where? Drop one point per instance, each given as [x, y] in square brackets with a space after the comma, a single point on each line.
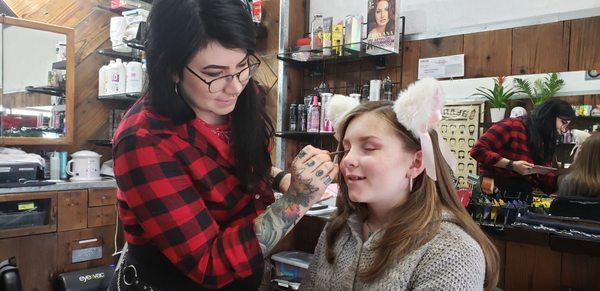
[132, 56]
[128, 97]
[54, 91]
[60, 65]
[101, 142]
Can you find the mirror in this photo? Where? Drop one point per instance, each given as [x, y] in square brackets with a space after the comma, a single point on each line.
[36, 104]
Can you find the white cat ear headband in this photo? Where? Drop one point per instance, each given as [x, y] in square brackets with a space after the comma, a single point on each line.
[418, 109]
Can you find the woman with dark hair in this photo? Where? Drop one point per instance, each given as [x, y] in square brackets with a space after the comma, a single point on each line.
[509, 149]
[191, 158]
[399, 223]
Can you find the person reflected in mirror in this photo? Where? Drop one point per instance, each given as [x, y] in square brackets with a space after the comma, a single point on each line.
[509, 149]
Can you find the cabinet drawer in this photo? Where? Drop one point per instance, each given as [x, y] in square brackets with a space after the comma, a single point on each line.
[85, 248]
[103, 196]
[72, 210]
[100, 216]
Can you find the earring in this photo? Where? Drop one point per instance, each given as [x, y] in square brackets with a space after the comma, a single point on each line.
[176, 89]
[410, 184]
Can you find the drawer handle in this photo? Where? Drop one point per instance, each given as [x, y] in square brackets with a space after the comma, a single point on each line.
[104, 197]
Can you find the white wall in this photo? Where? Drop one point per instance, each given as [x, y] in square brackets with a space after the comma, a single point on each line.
[436, 18]
[28, 56]
[575, 84]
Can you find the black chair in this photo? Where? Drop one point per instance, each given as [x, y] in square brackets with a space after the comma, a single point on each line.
[571, 206]
[9, 275]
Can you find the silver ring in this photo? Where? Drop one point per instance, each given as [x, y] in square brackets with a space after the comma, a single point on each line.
[125, 275]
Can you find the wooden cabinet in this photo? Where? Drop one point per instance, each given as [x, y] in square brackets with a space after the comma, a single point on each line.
[42, 214]
[100, 216]
[85, 248]
[72, 210]
[77, 232]
[102, 196]
[36, 258]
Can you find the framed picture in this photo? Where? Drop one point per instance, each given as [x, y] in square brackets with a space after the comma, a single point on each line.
[460, 129]
[383, 27]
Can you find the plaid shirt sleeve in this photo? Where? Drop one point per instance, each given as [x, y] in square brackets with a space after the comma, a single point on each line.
[171, 214]
[487, 148]
[508, 139]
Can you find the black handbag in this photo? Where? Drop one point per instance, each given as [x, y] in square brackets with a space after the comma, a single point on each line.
[9, 275]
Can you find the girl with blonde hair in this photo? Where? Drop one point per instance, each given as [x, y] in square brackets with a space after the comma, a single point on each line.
[399, 223]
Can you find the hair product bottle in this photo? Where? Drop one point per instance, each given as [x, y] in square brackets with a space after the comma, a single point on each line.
[314, 115]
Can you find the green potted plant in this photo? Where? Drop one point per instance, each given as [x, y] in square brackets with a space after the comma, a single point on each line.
[542, 89]
[498, 98]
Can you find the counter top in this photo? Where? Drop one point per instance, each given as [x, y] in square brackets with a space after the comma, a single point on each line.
[62, 186]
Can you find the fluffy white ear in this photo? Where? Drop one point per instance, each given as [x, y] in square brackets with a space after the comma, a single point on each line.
[338, 107]
[579, 136]
[419, 109]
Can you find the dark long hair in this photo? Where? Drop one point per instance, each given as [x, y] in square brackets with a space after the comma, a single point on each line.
[541, 127]
[176, 31]
[416, 222]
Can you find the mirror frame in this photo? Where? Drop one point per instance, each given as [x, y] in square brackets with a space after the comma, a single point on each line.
[69, 86]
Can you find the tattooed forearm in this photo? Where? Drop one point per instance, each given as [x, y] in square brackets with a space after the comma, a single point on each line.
[279, 218]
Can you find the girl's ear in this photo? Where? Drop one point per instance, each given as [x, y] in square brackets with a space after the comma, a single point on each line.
[417, 166]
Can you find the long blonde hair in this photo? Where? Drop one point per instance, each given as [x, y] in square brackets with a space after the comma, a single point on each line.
[584, 173]
[415, 222]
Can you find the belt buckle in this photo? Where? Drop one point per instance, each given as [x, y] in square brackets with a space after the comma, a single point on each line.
[127, 270]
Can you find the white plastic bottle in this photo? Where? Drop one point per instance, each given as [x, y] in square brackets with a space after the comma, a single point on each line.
[54, 166]
[134, 81]
[102, 80]
[107, 78]
[117, 80]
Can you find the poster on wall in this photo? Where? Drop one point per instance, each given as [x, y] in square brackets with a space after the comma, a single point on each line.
[383, 26]
[460, 129]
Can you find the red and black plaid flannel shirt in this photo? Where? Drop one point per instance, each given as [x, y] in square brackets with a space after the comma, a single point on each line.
[177, 192]
[508, 139]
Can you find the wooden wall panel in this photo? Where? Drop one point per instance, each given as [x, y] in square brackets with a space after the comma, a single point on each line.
[443, 46]
[541, 48]
[411, 62]
[585, 41]
[488, 54]
[531, 267]
[58, 12]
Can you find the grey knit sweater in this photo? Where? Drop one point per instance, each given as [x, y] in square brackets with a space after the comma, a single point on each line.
[452, 260]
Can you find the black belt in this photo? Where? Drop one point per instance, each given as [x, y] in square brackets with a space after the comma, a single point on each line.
[146, 268]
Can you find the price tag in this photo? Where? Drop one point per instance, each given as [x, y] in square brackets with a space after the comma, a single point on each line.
[26, 206]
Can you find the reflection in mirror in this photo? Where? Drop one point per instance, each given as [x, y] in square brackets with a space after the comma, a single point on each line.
[33, 78]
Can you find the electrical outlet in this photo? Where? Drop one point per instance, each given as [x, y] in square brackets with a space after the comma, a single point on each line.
[592, 75]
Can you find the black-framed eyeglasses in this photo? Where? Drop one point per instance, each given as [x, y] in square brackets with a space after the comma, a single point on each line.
[564, 122]
[219, 84]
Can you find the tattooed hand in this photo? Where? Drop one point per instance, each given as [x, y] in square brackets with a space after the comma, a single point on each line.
[312, 172]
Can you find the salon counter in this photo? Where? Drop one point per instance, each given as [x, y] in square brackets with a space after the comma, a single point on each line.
[531, 259]
[62, 186]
